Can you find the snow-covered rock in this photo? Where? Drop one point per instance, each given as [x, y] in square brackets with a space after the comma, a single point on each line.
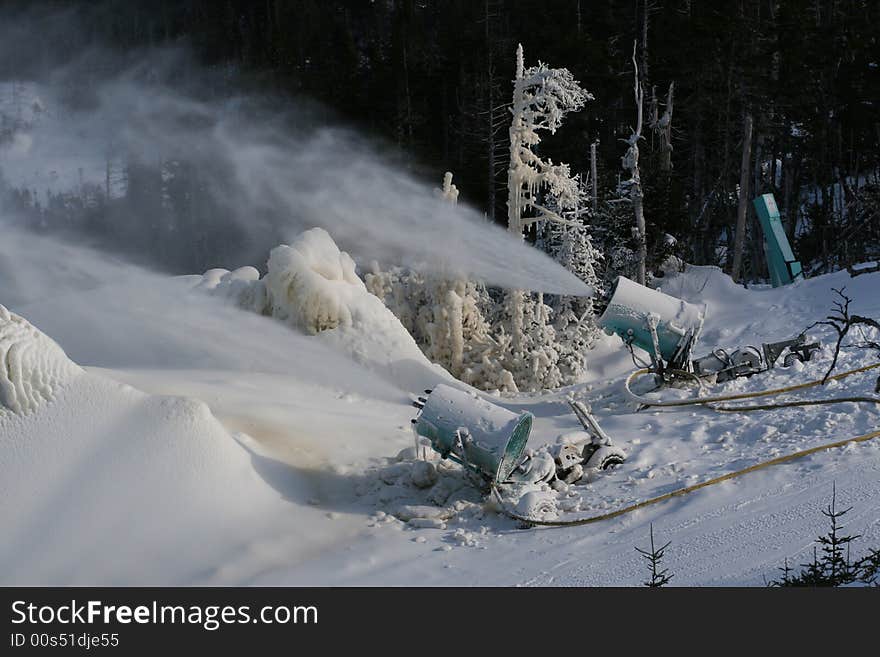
[32, 366]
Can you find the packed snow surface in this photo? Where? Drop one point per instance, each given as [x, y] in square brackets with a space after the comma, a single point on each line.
[106, 484]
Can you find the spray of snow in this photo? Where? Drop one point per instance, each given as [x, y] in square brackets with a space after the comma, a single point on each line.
[270, 173]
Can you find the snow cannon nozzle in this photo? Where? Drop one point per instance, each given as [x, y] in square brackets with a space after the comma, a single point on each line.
[664, 326]
[667, 328]
[481, 436]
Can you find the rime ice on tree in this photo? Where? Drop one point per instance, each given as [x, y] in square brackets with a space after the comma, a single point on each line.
[542, 97]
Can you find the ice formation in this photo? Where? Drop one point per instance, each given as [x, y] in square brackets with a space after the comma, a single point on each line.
[32, 365]
[314, 286]
[243, 286]
[382, 320]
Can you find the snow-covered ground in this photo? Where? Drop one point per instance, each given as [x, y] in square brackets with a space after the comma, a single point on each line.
[205, 444]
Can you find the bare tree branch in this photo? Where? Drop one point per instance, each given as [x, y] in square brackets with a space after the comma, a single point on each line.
[841, 321]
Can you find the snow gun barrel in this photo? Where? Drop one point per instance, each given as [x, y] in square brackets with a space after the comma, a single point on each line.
[481, 436]
[662, 325]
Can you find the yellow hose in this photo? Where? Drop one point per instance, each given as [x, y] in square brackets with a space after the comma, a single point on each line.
[744, 395]
[731, 475]
[687, 489]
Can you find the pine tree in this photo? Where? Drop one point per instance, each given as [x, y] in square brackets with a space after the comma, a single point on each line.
[542, 97]
[833, 567]
[659, 576]
[868, 568]
[836, 566]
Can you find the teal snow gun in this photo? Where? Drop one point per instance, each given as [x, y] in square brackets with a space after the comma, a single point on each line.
[668, 328]
[664, 326]
[469, 430]
[781, 263]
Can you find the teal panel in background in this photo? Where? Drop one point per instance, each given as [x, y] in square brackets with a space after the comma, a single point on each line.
[781, 263]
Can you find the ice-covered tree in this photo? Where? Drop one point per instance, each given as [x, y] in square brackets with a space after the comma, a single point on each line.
[542, 97]
[574, 250]
[447, 317]
[448, 192]
[510, 341]
[571, 245]
[633, 185]
[570, 242]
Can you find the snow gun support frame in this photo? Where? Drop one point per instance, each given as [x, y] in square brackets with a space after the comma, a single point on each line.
[719, 366]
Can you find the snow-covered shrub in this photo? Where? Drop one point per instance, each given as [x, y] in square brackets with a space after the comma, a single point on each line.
[447, 319]
[458, 324]
[508, 341]
[527, 341]
[571, 245]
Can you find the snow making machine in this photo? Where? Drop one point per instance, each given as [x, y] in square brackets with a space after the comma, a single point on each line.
[481, 436]
[668, 328]
[665, 327]
[489, 441]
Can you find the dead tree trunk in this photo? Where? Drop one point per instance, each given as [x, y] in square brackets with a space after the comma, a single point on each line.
[594, 193]
[742, 208]
[634, 184]
[664, 128]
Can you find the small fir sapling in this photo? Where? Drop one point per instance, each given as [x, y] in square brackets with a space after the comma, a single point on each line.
[659, 576]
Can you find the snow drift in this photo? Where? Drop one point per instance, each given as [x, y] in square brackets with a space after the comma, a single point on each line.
[32, 366]
[107, 484]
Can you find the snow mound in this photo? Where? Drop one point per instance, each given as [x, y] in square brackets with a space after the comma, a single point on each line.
[109, 485]
[242, 286]
[314, 286]
[32, 365]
